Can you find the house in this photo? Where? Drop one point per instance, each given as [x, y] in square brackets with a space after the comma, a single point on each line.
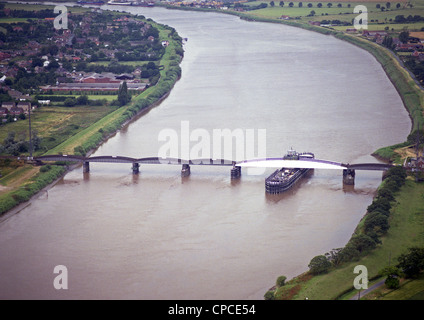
[25, 106]
[99, 78]
[3, 111]
[125, 77]
[8, 105]
[409, 46]
[16, 111]
[416, 163]
[373, 34]
[4, 55]
[315, 23]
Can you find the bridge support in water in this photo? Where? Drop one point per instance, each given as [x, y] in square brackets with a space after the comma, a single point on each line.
[185, 171]
[349, 176]
[235, 172]
[136, 168]
[86, 166]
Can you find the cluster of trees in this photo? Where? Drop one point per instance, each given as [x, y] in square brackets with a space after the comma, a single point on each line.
[416, 66]
[113, 67]
[39, 14]
[19, 33]
[4, 96]
[336, 22]
[409, 265]
[16, 147]
[245, 7]
[80, 101]
[25, 81]
[409, 19]
[375, 225]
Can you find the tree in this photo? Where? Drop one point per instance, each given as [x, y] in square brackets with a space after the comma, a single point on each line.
[70, 102]
[376, 222]
[123, 95]
[393, 274]
[310, 5]
[363, 243]
[281, 281]
[291, 4]
[404, 36]
[272, 4]
[269, 295]
[281, 3]
[300, 4]
[388, 41]
[82, 100]
[319, 264]
[412, 263]
[334, 256]
[329, 5]
[319, 5]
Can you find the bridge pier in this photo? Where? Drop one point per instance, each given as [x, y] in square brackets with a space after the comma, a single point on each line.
[349, 176]
[235, 172]
[86, 166]
[136, 168]
[185, 171]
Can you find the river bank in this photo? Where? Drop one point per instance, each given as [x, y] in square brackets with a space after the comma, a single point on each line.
[410, 92]
[88, 140]
[222, 227]
[412, 96]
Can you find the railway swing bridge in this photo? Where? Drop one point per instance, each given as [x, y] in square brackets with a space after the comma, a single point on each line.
[236, 166]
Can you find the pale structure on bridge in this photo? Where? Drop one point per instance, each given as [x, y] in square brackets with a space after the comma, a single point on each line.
[282, 163]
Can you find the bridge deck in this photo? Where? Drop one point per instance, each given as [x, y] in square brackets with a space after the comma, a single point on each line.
[254, 163]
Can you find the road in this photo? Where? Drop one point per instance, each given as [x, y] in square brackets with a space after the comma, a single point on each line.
[366, 291]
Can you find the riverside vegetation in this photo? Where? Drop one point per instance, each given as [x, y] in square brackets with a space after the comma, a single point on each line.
[77, 124]
[380, 239]
[392, 225]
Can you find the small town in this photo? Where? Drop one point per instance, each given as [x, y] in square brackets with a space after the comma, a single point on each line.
[86, 58]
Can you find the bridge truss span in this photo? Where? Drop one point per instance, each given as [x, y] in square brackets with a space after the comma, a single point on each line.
[301, 163]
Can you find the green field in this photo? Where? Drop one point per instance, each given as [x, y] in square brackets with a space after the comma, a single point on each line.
[377, 19]
[406, 230]
[36, 7]
[55, 124]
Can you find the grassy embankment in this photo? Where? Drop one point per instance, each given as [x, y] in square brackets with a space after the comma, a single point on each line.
[79, 130]
[406, 230]
[407, 218]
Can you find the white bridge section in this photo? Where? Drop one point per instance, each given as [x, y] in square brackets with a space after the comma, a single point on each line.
[283, 163]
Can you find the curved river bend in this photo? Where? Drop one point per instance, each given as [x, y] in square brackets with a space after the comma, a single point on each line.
[158, 236]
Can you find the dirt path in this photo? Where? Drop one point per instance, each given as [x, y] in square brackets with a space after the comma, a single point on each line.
[20, 179]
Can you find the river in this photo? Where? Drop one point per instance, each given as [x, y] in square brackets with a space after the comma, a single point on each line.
[159, 236]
